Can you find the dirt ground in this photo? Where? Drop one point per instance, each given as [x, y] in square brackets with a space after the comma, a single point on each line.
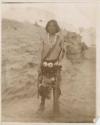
[77, 102]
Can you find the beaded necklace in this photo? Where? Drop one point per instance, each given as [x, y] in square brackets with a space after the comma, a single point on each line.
[53, 41]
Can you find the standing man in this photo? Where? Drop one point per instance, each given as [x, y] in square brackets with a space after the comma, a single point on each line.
[50, 68]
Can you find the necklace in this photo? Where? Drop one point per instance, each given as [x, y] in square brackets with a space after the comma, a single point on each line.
[52, 40]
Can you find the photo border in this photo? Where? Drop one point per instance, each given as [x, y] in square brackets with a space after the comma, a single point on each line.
[97, 2]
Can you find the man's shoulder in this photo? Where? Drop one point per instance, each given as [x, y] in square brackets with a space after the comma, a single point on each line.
[44, 37]
[60, 35]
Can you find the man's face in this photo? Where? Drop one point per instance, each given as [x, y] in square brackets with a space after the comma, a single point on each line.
[52, 28]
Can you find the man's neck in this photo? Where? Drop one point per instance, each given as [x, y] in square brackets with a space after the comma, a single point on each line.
[52, 35]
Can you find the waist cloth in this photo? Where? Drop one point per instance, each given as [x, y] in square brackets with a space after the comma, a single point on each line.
[50, 73]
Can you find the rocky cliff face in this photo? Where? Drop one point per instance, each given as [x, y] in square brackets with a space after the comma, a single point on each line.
[20, 55]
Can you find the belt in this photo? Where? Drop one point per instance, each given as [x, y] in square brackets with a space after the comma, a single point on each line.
[51, 64]
[50, 68]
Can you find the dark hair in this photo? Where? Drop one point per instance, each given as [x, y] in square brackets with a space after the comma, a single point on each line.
[55, 23]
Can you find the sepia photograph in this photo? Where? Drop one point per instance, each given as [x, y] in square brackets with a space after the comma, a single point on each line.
[48, 62]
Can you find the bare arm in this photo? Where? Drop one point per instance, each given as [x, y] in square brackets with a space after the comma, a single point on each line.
[62, 50]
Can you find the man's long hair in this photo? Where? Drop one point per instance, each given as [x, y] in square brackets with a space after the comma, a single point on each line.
[55, 23]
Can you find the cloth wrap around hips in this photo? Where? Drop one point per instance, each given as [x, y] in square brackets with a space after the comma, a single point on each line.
[48, 78]
[51, 56]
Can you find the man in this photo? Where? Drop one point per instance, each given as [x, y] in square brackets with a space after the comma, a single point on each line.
[51, 56]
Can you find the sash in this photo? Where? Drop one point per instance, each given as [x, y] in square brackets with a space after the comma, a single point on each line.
[50, 51]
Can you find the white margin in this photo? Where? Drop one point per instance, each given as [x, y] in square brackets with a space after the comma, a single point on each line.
[97, 121]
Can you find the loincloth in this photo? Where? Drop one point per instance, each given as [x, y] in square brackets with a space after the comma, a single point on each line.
[49, 78]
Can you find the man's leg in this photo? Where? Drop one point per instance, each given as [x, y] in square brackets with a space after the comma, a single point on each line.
[42, 104]
[56, 95]
[42, 95]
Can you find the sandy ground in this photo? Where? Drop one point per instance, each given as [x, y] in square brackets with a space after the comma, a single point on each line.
[20, 102]
[77, 103]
